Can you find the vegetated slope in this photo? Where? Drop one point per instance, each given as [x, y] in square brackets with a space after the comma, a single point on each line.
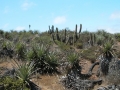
[85, 46]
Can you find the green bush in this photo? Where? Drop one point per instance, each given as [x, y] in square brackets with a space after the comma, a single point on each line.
[90, 54]
[12, 83]
[21, 51]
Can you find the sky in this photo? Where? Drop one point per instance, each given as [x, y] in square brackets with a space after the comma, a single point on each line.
[92, 14]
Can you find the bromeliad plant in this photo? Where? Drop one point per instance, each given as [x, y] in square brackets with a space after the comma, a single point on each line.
[106, 57]
[46, 61]
[108, 49]
[24, 71]
[72, 57]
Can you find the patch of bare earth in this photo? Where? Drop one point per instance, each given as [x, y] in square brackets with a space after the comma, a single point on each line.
[47, 82]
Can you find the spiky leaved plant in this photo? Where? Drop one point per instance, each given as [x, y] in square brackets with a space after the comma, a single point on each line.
[46, 61]
[24, 71]
[73, 72]
[107, 49]
[72, 57]
[107, 56]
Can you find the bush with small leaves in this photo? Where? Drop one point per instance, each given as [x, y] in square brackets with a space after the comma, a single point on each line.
[12, 83]
[21, 51]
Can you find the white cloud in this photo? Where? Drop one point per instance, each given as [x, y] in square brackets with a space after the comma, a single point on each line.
[115, 15]
[19, 28]
[26, 5]
[59, 20]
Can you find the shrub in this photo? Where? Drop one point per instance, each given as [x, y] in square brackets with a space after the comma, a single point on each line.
[90, 54]
[12, 83]
[21, 51]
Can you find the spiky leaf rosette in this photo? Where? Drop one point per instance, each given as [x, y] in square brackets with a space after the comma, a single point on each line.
[107, 50]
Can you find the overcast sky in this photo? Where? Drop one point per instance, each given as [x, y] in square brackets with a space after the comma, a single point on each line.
[92, 14]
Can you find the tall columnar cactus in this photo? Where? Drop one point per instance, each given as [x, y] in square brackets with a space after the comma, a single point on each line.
[91, 39]
[52, 29]
[76, 37]
[57, 35]
[49, 31]
[80, 30]
[71, 39]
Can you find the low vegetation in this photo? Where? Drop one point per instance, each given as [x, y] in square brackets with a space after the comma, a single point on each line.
[46, 52]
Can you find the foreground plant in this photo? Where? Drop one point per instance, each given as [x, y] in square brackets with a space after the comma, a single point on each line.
[24, 71]
[9, 83]
[106, 57]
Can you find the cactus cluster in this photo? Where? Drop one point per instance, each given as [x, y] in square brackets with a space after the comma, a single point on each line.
[68, 39]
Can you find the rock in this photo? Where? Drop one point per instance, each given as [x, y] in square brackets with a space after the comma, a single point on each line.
[9, 72]
[102, 88]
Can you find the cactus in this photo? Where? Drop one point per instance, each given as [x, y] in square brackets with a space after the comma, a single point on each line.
[80, 30]
[52, 29]
[75, 34]
[70, 39]
[49, 31]
[57, 34]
